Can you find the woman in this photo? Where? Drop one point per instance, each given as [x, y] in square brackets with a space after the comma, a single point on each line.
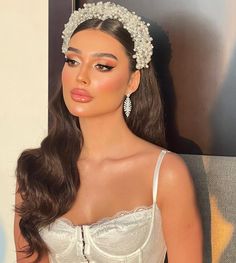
[101, 188]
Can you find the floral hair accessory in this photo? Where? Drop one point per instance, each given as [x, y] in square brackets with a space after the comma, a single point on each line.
[137, 28]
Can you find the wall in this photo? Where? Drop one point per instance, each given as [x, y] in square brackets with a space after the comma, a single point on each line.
[23, 99]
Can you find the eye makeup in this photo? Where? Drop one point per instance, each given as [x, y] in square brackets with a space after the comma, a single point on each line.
[102, 66]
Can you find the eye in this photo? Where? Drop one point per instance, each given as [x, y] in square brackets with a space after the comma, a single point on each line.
[103, 68]
[71, 62]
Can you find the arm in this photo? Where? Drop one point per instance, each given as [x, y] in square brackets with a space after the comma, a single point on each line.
[180, 216]
[20, 242]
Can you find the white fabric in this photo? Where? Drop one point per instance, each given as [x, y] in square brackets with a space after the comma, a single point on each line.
[130, 236]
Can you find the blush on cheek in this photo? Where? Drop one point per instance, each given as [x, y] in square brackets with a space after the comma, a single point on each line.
[65, 76]
[114, 83]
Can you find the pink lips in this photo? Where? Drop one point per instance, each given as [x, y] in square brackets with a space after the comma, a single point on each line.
[80, 95]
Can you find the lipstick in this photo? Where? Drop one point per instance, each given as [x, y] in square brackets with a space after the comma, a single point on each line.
[80, 95]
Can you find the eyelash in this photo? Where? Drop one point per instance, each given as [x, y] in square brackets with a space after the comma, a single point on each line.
[107, 68]
[74, 63]
[71, 62]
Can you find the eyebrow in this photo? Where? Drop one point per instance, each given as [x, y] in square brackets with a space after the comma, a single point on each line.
[99, 55]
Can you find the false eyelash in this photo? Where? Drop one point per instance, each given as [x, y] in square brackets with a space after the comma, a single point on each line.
[70, 62]
[106, 66]
[67, 59]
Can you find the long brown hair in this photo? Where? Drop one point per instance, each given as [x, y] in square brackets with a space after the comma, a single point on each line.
[48, 177]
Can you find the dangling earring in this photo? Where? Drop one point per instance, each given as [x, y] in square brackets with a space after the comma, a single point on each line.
[127, 105]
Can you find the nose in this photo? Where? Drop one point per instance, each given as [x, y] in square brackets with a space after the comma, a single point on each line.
[83, 75]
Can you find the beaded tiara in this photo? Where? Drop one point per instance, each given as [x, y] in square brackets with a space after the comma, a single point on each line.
[137, 28]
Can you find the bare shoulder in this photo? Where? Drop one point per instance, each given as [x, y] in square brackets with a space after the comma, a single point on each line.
[174, 166]
[175, 180]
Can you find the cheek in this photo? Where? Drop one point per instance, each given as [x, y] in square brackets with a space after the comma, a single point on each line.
[66, 80]
[66, 76]
[116, 83]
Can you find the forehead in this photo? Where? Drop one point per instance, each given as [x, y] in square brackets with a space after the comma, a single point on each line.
[94, 40]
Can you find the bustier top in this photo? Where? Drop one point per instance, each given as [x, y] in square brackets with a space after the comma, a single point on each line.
[134, 236]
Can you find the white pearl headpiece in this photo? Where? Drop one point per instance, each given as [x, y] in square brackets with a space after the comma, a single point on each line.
[137, 28]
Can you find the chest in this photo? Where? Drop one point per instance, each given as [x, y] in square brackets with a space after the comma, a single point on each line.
[103, 192]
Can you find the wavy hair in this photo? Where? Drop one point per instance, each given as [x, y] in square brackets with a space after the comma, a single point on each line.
[48, 178]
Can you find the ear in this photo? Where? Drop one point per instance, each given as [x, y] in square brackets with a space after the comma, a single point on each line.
[134, 81]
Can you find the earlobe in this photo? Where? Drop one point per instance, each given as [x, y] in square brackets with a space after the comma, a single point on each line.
[134, 81]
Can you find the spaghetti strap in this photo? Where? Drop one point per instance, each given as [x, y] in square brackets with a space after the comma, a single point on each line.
[156, 175]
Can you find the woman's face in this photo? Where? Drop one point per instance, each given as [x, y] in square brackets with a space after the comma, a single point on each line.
[96, 75]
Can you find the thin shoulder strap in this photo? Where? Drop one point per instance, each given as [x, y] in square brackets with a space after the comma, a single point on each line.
[156, 175]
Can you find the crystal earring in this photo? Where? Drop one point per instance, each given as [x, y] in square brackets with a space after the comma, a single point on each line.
[127, 105]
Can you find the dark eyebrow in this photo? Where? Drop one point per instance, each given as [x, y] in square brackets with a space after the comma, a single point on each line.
[74, 50]
[95, 54]
[99, 55]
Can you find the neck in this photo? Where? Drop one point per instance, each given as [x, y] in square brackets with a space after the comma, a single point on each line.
[105, 136]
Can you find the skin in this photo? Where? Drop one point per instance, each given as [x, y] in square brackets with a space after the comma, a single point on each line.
[124, 163]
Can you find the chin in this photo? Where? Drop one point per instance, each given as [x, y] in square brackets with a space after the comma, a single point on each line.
[82, 111]
[80, 114]
[77, 110]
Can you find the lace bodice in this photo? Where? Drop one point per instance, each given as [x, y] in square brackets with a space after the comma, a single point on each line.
[129, 236]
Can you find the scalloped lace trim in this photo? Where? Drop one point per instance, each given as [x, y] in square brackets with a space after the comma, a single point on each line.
[119, 214]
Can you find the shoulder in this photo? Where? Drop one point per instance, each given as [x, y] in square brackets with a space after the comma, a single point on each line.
[173, 166]
[175, 181]
[172, 163]
[174, 177]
